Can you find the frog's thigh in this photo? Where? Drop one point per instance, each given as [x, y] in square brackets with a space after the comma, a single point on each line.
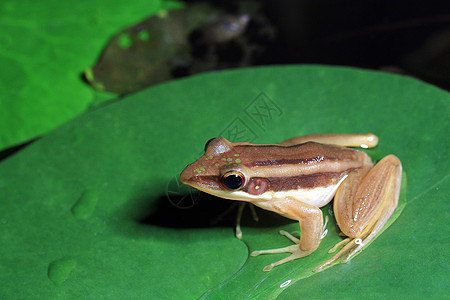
[363, 206]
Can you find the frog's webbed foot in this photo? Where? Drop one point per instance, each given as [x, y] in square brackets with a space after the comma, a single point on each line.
[295, 251]
[350, 247]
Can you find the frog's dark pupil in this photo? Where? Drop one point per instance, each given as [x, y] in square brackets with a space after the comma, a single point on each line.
[233, 181]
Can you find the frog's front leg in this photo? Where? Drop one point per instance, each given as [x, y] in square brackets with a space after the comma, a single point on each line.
[311, 226]
[363, 204]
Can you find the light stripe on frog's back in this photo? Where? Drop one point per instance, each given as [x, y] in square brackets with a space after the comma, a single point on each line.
[269, 161]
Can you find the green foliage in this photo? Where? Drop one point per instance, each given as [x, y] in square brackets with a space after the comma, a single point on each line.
[46, 46]
[82, 210]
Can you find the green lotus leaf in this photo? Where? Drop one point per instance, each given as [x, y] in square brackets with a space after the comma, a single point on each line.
[94, 209]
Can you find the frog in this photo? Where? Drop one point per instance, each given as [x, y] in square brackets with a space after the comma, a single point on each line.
[298, 176]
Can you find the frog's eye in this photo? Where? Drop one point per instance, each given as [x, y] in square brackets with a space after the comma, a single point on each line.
[233, 180]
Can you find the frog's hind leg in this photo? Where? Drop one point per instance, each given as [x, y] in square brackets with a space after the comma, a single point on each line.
[362, 207]
[362, 140]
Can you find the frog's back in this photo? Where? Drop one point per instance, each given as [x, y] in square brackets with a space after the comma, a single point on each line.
[303, 159]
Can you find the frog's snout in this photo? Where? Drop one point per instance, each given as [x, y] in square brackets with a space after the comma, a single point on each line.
[184, 176]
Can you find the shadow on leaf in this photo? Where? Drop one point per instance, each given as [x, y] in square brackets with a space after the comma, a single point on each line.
[200, 210]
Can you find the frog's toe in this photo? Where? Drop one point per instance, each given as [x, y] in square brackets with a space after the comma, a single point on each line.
[290, 236]
[295, 251]
[290, 249]
[350, 247]
[280, 262]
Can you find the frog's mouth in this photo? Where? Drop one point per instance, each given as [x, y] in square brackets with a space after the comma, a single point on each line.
[210, 184]
[203, 183]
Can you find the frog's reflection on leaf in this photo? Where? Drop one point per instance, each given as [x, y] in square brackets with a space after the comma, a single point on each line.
[200, 37]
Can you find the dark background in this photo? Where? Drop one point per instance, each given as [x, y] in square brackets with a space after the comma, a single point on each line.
[406, 37]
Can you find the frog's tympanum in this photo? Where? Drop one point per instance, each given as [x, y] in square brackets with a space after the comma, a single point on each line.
[296, 177]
